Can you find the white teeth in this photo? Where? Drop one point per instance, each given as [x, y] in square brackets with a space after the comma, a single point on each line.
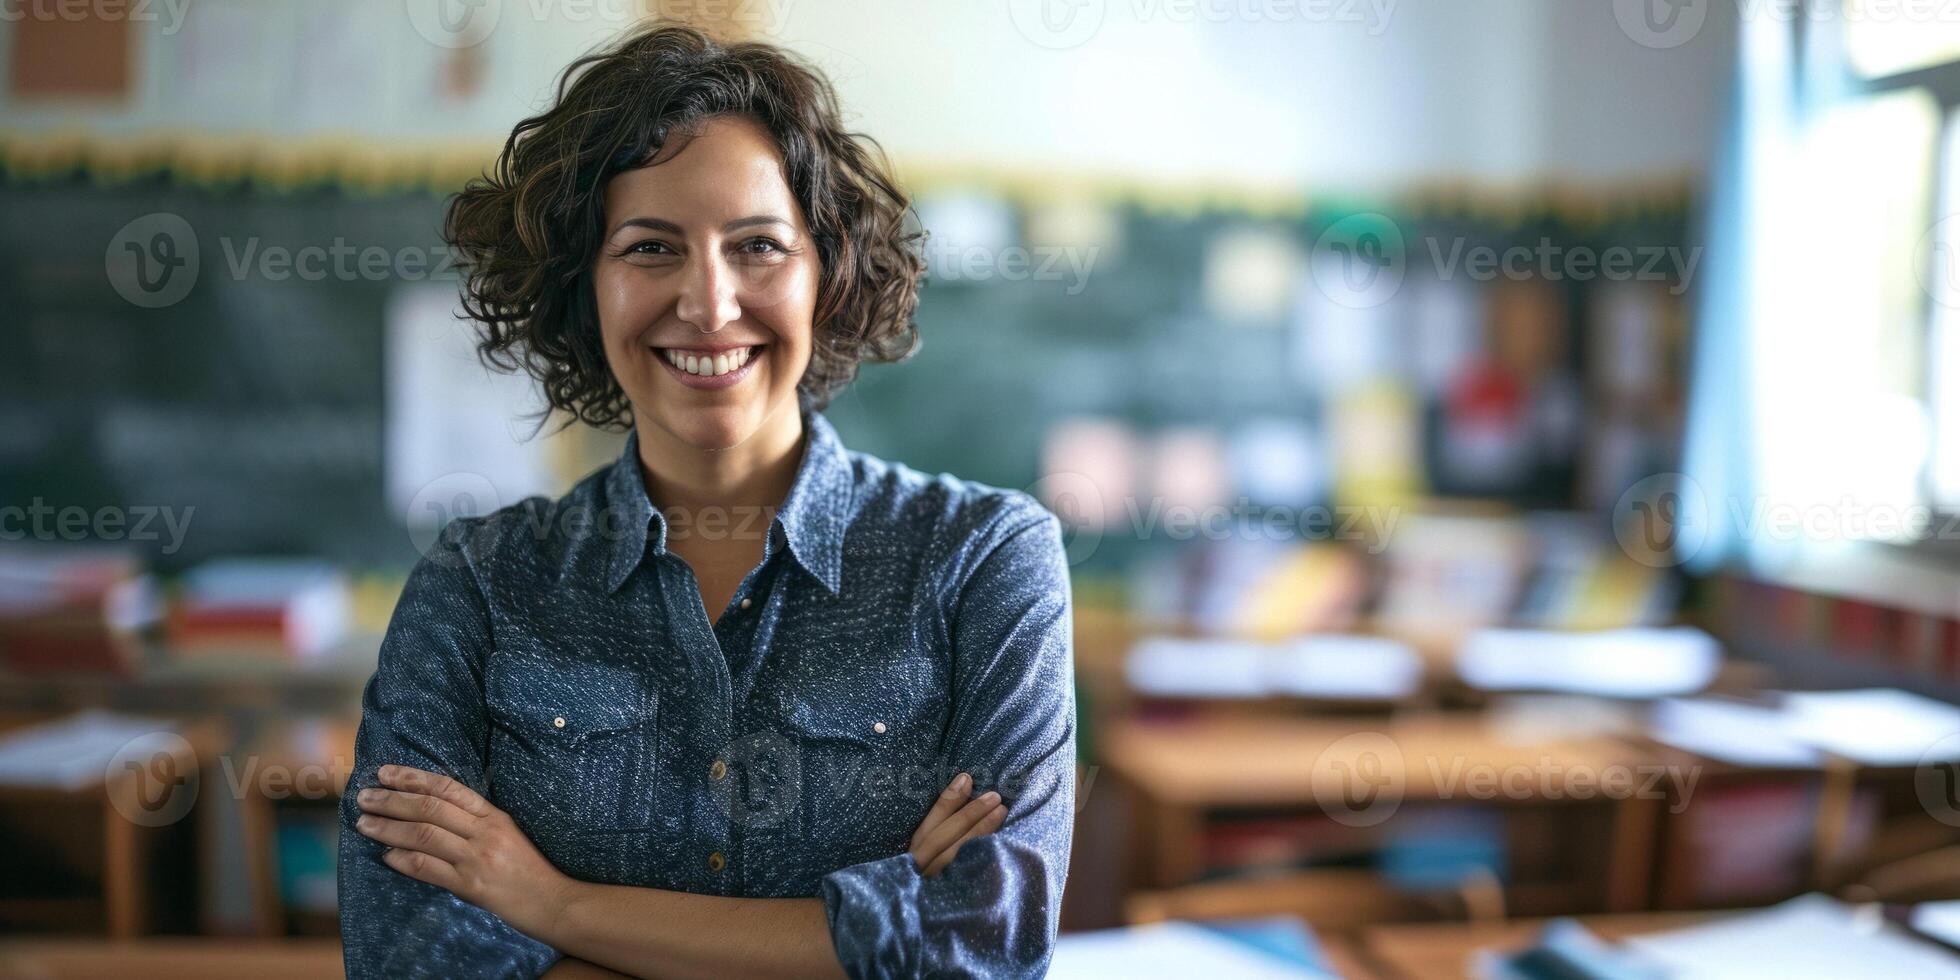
[709, 366]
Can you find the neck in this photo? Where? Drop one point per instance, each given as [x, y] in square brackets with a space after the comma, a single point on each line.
[756, 472]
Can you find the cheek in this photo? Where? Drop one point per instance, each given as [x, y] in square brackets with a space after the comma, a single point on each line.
[624, 303]
[785, 301]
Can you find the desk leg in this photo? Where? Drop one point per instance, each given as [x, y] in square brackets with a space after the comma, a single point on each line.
[1178, 833]
[1630, 864]
[120, 872]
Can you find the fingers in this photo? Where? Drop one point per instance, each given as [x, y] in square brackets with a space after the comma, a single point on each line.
[432, 784]
[424, 837]
[949, 801]
[418, 808]
[987, 825]
[422, 866]
[950, 830]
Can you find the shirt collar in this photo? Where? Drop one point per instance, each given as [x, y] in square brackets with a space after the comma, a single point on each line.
[813, 518]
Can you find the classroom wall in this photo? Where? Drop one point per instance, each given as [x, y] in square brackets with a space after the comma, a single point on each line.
[1162, 89]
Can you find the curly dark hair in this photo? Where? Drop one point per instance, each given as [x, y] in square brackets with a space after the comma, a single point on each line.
[527, 231]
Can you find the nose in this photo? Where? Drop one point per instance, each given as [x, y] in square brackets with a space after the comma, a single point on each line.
[709, 298]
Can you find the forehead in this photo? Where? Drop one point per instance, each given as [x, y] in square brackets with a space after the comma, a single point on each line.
[730, 169]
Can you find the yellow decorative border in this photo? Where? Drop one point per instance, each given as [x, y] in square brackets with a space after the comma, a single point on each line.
[364, 164]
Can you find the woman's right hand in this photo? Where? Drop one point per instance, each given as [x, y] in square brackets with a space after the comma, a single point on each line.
[954, 820]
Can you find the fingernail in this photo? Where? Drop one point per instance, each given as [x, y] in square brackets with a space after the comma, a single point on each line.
[962, 781]
[991, 797]
[367, 796]
[364, 824]
[386, 772]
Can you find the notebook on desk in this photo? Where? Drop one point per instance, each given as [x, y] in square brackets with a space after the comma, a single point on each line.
[1256, 949]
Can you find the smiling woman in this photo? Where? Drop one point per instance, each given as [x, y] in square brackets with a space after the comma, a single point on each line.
[744, 702]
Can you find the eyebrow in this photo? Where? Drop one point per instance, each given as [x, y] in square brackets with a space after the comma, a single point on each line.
[662, 224]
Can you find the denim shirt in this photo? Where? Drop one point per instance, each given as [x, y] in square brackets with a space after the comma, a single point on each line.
[902, 628]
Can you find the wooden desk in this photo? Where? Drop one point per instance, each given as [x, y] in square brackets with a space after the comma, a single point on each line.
[112, 835]
[1439, 952]
[1176, 772]
[172, 959]
[296, 764]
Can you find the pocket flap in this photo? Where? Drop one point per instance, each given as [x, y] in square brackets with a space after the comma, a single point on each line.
[568, 699]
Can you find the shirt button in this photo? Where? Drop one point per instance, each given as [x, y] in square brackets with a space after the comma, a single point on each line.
[878, 727]
[558, 722]
[718, 770]
[747, 602]
[716, 862]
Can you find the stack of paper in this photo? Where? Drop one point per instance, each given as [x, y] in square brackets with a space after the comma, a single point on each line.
[1328, 666]
[1626, 663]
[1873, 727]
[1811, 936]
[1168, 949]
[71, 753]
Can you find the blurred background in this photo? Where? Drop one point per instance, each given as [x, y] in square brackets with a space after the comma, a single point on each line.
[1510, 452]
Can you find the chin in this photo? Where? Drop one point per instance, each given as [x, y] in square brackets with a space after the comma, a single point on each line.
[711, 429]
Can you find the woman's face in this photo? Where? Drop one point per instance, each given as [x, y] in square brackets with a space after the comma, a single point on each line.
[706, 284]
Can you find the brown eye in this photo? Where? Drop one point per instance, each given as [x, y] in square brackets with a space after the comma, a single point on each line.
[650, 246]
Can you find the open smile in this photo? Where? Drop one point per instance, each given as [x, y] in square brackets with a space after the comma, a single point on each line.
[709, 367]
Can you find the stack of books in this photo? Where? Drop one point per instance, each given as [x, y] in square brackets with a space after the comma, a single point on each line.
[74, 611]
[282, 609]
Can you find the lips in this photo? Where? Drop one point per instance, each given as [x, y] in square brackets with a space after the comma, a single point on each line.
[709, 367]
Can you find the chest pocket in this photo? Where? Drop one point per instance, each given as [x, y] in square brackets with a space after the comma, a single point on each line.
[871, 761]
[574, 746]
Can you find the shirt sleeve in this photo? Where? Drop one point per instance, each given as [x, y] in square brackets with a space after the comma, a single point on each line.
[994, 910]
[424, 708]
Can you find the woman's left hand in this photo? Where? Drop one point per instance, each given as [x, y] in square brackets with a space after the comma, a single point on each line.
[442, 832]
